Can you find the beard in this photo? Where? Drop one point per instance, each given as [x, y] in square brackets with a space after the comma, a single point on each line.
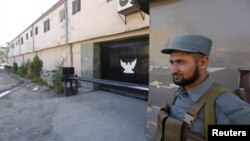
[186, 81]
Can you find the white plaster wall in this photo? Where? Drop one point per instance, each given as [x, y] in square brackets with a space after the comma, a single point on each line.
[51, 57]
[55, 36]
[100, 18]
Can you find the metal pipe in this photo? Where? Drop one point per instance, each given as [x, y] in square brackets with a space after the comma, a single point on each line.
[113, 83]
[33, 39]
[66, 20]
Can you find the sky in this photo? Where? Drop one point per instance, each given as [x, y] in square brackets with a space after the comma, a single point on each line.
[17, 15]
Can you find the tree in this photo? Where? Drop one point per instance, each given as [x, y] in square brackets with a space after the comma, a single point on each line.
[36, 67]
[3, 54]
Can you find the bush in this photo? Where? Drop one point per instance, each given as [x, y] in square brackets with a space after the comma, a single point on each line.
[36, 67]
[39, 81]
[14, 69]
[31, 70]
[57, 78]
[23, 69]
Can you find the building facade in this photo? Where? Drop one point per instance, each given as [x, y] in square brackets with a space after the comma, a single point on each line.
[74, 31]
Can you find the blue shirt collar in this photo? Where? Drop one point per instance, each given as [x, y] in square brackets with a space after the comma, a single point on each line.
[199, 90]
[196, 92]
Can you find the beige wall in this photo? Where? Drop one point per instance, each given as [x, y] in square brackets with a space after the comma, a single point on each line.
[17, 50]
[99, 18]
[96, 19]
[51, 57]
[55, 36]
[11, 61]
[19, 60]
[27, 45]
[29, 56]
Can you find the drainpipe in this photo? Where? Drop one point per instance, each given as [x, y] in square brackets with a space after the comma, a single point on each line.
[33, 39]
[20, 50]
[66, 20]
[67, 33]
[12, 53]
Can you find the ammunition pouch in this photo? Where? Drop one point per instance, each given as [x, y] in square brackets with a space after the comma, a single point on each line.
[169, 129]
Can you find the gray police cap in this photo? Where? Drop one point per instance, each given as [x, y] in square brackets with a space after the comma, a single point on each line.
[190, 43]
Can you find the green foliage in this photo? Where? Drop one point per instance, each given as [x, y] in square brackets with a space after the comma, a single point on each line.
[57, 78]
[23, 69]
[39, 81]
[2, 53]
[31, 70]
[36, 67]
[14, 68]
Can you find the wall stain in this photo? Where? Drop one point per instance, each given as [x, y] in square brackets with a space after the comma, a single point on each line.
[151, 67]
[159, 84]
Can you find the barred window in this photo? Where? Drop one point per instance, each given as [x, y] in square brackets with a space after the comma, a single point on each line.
[62, 15]
[46, 25]
[21, 40]
[31, 33]
[76, 6]
[36, 30]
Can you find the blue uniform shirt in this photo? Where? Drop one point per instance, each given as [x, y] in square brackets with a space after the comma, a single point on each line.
[230, 109]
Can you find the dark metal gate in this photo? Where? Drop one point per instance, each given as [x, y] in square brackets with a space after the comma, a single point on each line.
[126, 61]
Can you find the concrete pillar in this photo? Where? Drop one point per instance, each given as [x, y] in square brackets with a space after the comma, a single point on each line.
[90, 63]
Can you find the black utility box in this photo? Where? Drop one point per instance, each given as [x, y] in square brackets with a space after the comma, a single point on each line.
[68, 70]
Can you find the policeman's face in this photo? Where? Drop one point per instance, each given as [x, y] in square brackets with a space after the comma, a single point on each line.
[184, 68]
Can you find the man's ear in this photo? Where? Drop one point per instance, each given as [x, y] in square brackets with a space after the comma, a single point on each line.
[203, 62]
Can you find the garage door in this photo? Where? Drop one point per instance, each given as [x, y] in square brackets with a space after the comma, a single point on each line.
[126, 61]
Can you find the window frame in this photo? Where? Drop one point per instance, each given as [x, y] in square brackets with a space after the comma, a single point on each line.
[62, 16]
[21, 40]
[31, 33]
[27, 36]
[76, 6]
[46, 25]
[36, 30]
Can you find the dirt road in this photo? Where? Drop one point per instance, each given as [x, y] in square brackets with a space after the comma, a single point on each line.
[28, 115]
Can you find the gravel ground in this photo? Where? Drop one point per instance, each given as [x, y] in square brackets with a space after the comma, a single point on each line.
[28, 115]
[6, 81]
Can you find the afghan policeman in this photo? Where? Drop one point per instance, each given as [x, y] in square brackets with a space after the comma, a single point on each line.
[186, 118]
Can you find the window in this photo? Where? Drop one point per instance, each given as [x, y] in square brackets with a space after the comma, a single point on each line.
[21, 40]
[61, 15]
[46, 26]
[31, 33]
[27, 36]
[76, 6]
[36, 30]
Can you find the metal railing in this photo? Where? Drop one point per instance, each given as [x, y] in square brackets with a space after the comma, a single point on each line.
[74, 79]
